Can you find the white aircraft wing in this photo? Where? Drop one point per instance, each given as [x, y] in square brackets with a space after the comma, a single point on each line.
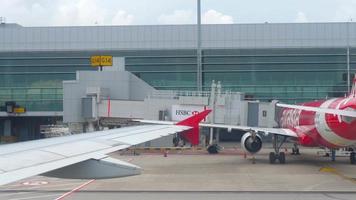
[266, 131]
[78, 156]
[347, 113]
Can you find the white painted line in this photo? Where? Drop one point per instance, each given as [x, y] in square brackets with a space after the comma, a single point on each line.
[75, 189]
[35, 183]
[34, 197]
[64, 186]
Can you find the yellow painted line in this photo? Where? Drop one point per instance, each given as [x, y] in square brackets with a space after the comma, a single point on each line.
[327, 169]
[335, 172]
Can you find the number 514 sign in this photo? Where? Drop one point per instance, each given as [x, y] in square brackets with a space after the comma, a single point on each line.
[101, 61]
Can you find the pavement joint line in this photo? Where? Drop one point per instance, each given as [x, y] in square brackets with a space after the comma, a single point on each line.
[18, 193]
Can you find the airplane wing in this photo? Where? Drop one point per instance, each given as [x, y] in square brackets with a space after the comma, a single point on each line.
[82, 155]
[265, 131]
[348, 113]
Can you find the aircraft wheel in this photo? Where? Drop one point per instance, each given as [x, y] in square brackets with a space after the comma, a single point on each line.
[297, 151]
[213, 149]
[272, 157]
[175, 141]
[353, 158]
[282, 158]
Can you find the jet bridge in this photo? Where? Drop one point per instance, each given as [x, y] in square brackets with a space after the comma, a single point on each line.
[99, 100]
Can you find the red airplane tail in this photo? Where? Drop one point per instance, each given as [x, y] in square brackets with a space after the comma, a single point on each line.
[192, 135]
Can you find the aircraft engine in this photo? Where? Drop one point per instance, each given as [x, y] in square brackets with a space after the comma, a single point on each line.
[251, 142]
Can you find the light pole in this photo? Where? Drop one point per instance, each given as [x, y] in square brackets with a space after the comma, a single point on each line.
[199, 64]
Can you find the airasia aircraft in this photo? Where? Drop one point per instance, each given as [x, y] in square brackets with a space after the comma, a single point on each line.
[324, 123]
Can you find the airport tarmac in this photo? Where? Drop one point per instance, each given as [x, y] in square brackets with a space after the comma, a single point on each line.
[194, 174]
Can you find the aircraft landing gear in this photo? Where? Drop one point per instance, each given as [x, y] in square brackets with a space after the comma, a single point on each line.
[353, 157]
[295, 150]
[273, 157]
[278, 141]
[177, 141]
[213, 149]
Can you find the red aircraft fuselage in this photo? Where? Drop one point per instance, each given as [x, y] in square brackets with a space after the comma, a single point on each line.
[320, 129]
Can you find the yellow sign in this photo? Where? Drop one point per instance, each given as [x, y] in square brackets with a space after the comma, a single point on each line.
[19, 110]
[101, 61]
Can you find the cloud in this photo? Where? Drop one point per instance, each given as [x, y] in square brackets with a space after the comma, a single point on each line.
[122, 18]
[64, 12]
[346, 13]
[177, 17]
[188, 17]
[215, 17]
[22, 11]
[90, 12]
[301, 17]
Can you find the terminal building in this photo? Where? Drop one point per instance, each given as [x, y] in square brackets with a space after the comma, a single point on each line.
[289, 62]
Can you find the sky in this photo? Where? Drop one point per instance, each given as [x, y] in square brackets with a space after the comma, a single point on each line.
[147, 12]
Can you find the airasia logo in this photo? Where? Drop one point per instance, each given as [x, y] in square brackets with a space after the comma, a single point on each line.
[186, 112]
[290, 118]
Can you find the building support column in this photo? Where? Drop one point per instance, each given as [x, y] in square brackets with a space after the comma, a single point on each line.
[7, 127]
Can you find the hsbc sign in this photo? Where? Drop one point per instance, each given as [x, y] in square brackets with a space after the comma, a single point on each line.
[181, 112]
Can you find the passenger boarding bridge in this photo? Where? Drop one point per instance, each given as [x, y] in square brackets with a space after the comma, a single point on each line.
[109, 99]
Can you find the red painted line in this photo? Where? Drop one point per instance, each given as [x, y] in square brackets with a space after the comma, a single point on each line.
[75, 190]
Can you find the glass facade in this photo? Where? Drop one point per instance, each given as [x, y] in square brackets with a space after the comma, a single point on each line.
[34, 79]
[289, 75]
